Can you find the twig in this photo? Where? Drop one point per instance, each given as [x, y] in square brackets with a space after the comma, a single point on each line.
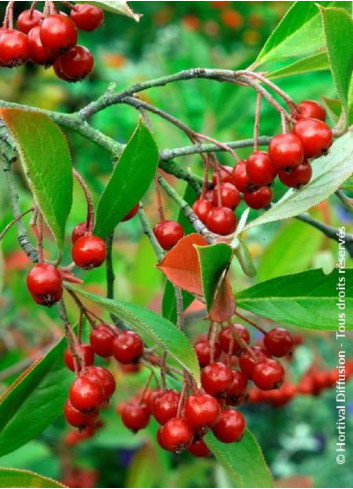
[9, 226]
[149, 233]
[346, 201]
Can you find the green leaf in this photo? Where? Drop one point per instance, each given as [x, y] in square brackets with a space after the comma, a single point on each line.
[214, 260]
[307, 299]
[316, 62]
[159, 329]
[169, 302]
[281, 257]
[338, 29]
[1, 271]
[129, 181]
[333, 106]
[34, 400]
[46, 160]
[25, 478]
[117, 7]
[244, 461]
[329, 172]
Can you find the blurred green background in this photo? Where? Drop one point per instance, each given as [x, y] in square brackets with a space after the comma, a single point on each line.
[298, 440]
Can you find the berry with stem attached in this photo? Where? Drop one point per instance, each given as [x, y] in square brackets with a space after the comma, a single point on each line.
[85, 351]
[75, 65]
[135, 416]
[165, 406]
[45, 284]
[240, 178]
[260, 169]
[79, 230]
[279, 342]
[216, 378]
[225, 338]
[221, 220]
[86, 393]
[58, 33]
[260, 198]
[202, 411]
[230, 427]
[237, 390]
[177, 435]
[248, 359]
[105, 378]
[168, 233]
[38, 53]
[225, 174]
[101, 339]
[128, 347]
[28, 19]
[87, 17]
[268, 374]
[89, 252]
[286, 151]
[14, 48]
[315, 136]
[203, 351]
[230, 196]
[202, 208]
[309, 109]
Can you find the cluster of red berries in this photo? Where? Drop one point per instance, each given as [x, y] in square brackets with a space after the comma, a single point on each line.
[287, 157]
[50, 39]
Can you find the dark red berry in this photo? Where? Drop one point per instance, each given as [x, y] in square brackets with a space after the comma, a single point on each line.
[131, 213]
[101, 339]
[268, 374]
[240, 178]
[45, 284]
[165, 406]
[89, 252]
[260, 198]
[127, 347]
[309, 109]
[160, 438]
[58, 33]
[202, 208]
[249, 358]
[84, 350]
[28, 19]
[279, 342]
[221, 220]
[177, 435]
[230, 427]
[79, 230]
[201, 411]
[230, 196]
[150, 398]
[225, 338]
[87, 17]
[199, 449]
[216, 378]
[105, 378]
[78, 418]
[203, 352]
[86, 393]
[135, 415]
[315, 136]
[225, 174]
[296, 177]
[260, 169]
[168, 233]
[237, 390]
[75, 65]
[38, 53]
[286, 151]
[59, 72]
[14, 48]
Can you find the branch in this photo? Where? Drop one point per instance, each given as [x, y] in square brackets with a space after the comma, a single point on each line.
[149, 233]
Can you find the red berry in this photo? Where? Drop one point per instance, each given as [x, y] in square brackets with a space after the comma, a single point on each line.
[87, 17]
[127, 347]
[240, 178]
[86, 352]
[202, 208]
[75, 65]
[135, 415]
[168, 233]
[260, 198]
[14, 48]
[28, 19]
[39, 54]
[131, 213]
[230, 427]
[105, 378]
[286, 151]
[89, 252]
[59, 72]
[268, 374]
[203, 352]
[221, 220]
[230, 196]
[177, 435]
[226, 336]
[249, 358]
[78, 418]
[225, 174]
[58, 33]
[150, 398]
[165, 406]
[296, 177]
[79, 230]
[260, 169]
[238, 388]
[45, 284]
[160, 438]
[315, 136]
[101, 339]
[309, 109]
[86, 393]
[216, 378]
[201, 411]
[199, 449]
[279, 342]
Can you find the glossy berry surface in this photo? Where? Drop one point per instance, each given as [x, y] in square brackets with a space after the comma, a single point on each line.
[101, 339]
[249, 359]
[168, 233]
[78, 418]
[165, 406]
[203, 352]
[128, 347]
[202, 208]
[216, 378]
[260, 169]
[131, 213]
[309, 109]
[279, 342]
[105, 378]
[240, 177]
[75, 65]
[45, 284]
[89, 252]
[221, 220]
[238, 388]
[230, 427]
[28, 19]
[268, 374]
[177, 435]
[296, 177]
[58, 33]
[226, 195]
[201, 411]
[87, 17]
[315, 136]
[199, 449]
[286, 151]
[260, 198]
[226, 337]
[86, 393]
[14, 48]
[79, 230]
[224, 175]
[38, 53]
[135, 415]
[85, 351]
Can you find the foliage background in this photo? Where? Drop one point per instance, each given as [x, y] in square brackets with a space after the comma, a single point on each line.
[298, 440]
